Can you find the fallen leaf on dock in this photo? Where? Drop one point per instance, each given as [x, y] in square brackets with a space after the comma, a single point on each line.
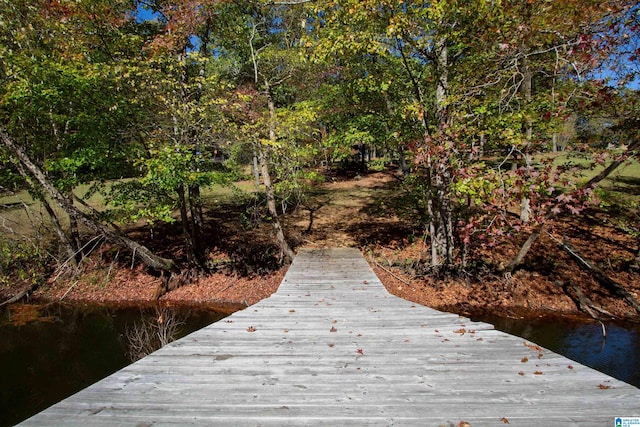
[534, 347]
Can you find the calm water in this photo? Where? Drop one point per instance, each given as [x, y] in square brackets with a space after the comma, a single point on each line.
[69, 348]
[617, 354]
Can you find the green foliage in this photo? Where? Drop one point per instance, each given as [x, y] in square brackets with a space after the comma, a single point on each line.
[22, 263]
[477, 187]
[377, 165]
[92, 95]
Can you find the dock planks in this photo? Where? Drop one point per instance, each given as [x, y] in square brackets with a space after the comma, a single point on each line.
[333, 347]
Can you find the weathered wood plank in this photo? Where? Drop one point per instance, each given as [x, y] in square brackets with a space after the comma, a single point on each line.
[332, 347]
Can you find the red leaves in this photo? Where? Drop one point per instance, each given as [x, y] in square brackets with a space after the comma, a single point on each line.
[54, 8]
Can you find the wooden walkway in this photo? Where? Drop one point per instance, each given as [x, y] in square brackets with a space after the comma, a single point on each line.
[332, 347]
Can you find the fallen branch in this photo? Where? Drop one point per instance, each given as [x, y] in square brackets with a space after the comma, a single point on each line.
[509, 268]
[235, 282]
[69, 290]
[391, 273]
[600, 276]
[30, 169]
[584, 304]
[20, 295]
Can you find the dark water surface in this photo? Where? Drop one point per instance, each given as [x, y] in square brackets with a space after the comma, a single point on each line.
[617, 354]
[68, 348]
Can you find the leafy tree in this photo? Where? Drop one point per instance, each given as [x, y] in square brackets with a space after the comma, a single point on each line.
[258, 47]
[65, 116]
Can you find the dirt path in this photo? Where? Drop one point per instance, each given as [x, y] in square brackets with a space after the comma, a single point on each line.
[349, 213]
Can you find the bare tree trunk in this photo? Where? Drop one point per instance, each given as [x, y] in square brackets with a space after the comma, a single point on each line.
[192, 259]
[148, 257]
[197, 220]
[73, 224]
[403, 161]
[256, 168]
[523, 251]
[271, 206]
[442, 86]
[442, 241]
[70, 247]
[72, 251]
[266, 177]
[527, 88]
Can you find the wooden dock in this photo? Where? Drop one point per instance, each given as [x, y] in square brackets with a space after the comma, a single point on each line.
[332, 347]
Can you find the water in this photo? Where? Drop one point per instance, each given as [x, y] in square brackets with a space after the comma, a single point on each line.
[66, 349]
[617, 354]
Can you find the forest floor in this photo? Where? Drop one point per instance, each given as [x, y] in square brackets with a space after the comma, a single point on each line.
[367, 212]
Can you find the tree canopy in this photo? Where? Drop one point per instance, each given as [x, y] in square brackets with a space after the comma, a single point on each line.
[462, 94]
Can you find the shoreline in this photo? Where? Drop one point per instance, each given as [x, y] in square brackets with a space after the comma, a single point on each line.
[227, 294]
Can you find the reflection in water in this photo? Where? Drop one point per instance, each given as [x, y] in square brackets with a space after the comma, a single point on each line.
[153, 332]
[68, 349]
[617, 354]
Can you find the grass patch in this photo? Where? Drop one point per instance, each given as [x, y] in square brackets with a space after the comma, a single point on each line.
[23, 216]
[620, 190]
